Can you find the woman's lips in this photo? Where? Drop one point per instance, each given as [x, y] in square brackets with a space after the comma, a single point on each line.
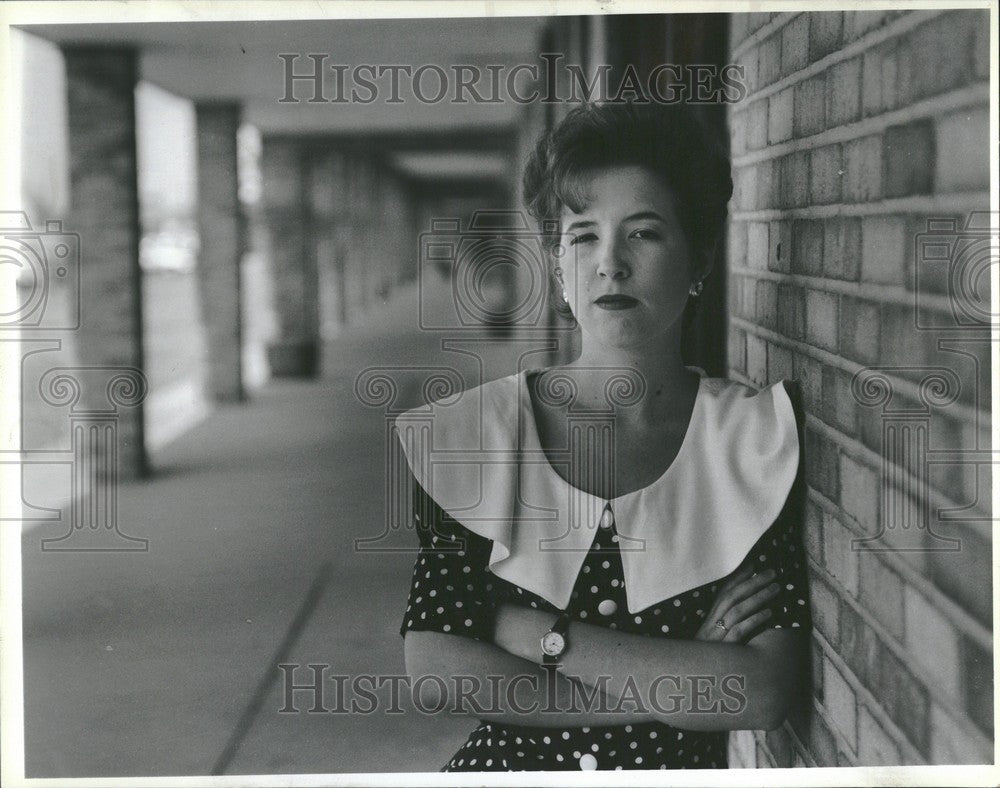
[613, 302]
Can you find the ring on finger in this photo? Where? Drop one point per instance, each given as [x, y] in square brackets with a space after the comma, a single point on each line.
[722, 625]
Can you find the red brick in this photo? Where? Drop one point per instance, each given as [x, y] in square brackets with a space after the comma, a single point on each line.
[807, 247]
[941, 52]
[737, 131]
[950, 745]
[858, 336]
[881, 591]
[822, 466]
[769, 60]
[822, 745]
[857, 23]
[791, 311]
[756, 116]
[826, 169]
[780, 245]
[841, 703]
[809, 372]
[825, 28]
[746, 291]
[779, 363]
[768, 184]
[780, 116]
[884, 248]
[902, 343]
[908, 153]
[767, 304]
[879, 77]
[840, 558]
[779, 744]
[933, 642]
[843, 93]
[821, 320]
[749, 62]
[737, 350]
[812, 535]
[842, 248]
[745, 188]
[908, 704]
[795, 180]
[839, 407]
[860, 490]
[757, 250]
[862, 650]
[963, 151]
[795, 45]
[825, 614]
[736, 249]
[863, 169]
[810, 106]
[875, 746]
[756, 360]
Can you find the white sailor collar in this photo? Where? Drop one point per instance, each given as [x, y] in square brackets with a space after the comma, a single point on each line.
[478, 455]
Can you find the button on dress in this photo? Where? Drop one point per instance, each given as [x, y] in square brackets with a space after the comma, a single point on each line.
[454, 591]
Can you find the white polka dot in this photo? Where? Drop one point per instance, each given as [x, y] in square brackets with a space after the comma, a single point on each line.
[565, 735]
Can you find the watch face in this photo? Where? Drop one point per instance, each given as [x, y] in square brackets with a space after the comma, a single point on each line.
[553, 644]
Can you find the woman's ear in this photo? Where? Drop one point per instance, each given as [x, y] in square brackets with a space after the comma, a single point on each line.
[705, 260]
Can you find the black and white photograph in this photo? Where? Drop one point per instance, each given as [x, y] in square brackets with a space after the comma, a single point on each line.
[404, 388]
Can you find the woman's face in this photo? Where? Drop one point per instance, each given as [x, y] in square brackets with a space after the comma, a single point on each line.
[626, 264]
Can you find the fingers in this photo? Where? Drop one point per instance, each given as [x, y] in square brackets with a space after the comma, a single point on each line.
[742, 586]
[754, 603]
[748, 627]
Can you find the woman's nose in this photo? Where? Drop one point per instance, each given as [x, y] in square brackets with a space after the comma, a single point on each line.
[613, 264]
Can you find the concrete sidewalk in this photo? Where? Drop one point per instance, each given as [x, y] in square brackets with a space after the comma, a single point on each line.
[163, 662]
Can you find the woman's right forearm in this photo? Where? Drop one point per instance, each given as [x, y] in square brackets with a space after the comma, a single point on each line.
[486, 682]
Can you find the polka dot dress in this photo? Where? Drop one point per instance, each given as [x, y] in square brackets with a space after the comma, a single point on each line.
[453, 591]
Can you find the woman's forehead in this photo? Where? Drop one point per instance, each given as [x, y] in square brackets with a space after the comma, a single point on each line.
[623, 189]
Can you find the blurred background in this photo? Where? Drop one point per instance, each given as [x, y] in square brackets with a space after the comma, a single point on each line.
[277, 273]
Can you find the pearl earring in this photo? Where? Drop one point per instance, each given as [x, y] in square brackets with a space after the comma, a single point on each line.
[695, 289]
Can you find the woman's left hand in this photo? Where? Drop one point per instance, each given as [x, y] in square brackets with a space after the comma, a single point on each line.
[741, 607]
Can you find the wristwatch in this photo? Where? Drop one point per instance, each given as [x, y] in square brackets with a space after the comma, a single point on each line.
[555, 642]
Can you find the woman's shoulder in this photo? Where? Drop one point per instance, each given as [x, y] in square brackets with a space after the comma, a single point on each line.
[741, 405]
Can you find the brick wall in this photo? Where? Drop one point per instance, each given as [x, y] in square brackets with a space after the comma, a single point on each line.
[857, 128]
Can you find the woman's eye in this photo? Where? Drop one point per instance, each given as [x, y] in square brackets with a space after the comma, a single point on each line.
[582, 238]
[646, 235]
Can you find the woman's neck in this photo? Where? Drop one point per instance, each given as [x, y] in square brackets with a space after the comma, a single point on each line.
[666, 384]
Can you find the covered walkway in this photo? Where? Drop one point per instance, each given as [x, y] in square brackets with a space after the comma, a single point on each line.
[165, 662]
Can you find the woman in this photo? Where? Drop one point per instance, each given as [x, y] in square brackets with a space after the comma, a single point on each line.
[618, 596]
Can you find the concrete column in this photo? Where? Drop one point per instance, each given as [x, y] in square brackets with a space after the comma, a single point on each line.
[294, 352]
[222, 228]
[104, 206]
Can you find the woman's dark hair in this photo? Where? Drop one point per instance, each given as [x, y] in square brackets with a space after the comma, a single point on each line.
[667, 139]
